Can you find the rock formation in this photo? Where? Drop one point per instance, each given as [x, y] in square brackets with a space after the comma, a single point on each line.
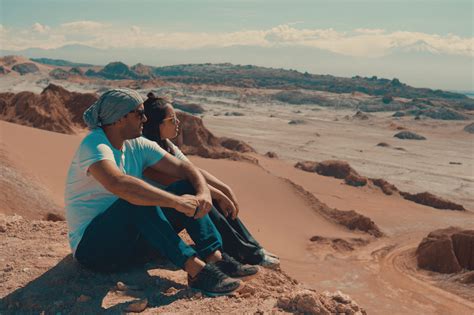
[447, 250]
[55, 109]
[25, 68]
[196, 139]
[469, 128]
[334, 168]
[409, 135]
[189, 108]
[431, 200]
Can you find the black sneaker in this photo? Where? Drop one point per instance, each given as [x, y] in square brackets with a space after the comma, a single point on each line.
[213, 282]
[235, 269]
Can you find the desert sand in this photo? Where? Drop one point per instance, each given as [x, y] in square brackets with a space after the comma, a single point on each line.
[381, 276]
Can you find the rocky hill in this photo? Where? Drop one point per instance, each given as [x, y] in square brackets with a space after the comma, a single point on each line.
[21, 65]
[117, 71]
[55, 109]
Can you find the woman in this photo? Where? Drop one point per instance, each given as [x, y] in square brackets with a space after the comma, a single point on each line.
[162, 125]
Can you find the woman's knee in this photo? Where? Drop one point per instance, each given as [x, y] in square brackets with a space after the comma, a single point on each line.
[182, 187]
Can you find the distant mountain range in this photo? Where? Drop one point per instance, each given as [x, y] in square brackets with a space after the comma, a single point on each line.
[419, 64]
[262, 77]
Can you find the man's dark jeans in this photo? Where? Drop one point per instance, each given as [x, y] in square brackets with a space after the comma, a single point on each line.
[119, 237]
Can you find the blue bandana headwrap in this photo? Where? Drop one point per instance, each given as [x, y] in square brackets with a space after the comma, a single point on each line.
[111, 106]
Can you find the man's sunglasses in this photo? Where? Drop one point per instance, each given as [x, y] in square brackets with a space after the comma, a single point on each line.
[140, 112]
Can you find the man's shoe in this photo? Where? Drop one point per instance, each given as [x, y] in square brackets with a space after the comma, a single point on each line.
[213, 282]
[235, 269]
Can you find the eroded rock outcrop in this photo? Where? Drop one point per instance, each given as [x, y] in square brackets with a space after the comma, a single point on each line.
[469, 128]
[334, 168]
[348, 218]
[25, 68]
[55, 109]
[447, 250]
[408, 135]
[236, 145]
[188, 107]
[309, 302]
[339, 244]
[271, 155]
[428, 199]
[386, 187]
[196, 139]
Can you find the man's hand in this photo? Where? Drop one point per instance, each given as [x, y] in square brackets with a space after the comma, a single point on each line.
[230, 194]
[187, 204]
[205, 204]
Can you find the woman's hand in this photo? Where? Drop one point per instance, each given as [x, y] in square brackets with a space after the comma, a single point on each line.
[233, 199]
[226, 206]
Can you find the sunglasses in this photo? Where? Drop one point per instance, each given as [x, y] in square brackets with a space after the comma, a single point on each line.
[173, 119]
[140, 112]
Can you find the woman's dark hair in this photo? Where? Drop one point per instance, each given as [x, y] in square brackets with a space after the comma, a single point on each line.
[155, 111]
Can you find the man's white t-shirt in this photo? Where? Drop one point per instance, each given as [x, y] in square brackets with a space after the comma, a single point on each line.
[85, 197]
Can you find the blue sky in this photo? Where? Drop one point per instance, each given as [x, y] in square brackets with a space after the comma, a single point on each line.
[431, 16]
[360, 36]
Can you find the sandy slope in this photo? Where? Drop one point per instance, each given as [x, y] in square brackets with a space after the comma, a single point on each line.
[284, 222]
[334, 134]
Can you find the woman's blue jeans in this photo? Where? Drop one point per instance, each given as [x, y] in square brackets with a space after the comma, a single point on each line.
[119, 237]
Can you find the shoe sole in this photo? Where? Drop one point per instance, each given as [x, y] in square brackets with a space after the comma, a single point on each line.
[271, 266]
[217, 294]
[249, 277]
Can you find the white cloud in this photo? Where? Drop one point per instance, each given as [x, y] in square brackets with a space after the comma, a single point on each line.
[360, 42]
[136, 30]
[39, 28]
[81, 26]
[370, 31]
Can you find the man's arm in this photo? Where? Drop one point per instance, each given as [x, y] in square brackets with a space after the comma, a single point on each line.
[138, 192]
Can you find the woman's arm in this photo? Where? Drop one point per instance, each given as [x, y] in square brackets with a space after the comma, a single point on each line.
[223, 188]
[226, 206]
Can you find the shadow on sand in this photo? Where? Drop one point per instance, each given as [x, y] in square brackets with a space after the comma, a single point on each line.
[60, 288]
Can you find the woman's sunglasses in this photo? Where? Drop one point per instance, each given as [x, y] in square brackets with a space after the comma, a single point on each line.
[173, 119]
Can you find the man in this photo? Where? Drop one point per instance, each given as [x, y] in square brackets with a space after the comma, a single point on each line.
[114, 217]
